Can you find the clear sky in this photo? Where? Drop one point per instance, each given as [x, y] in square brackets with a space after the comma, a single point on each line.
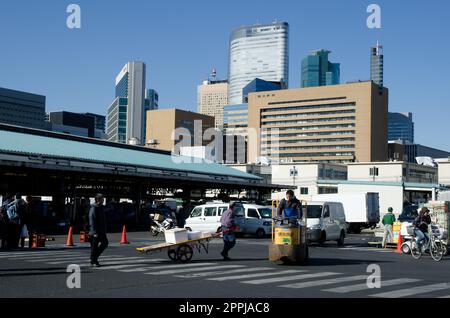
[181, 41]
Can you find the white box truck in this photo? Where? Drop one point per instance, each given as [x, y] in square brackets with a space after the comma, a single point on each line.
[362, 209]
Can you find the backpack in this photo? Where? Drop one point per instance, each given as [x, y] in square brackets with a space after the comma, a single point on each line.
[13, 213]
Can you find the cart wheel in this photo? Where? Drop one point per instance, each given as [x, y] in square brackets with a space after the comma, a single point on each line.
[184, 253]
[172, 255]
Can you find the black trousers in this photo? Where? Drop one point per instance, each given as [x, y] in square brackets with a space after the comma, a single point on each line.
[98, 246]
[13, 235]
[227, 246]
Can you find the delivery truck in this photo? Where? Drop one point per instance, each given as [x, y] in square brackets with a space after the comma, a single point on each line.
[362, 210]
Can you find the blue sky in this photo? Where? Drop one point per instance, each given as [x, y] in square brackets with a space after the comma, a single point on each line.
[181, 41]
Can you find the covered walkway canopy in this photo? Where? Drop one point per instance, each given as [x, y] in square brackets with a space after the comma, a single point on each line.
[40, 162]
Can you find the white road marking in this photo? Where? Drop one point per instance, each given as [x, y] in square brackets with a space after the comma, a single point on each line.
[168, 265]
[256, 275]
[177, 271]
[121, 265]
[34, 255]
[288, 278]
[358, 287]
[100, 259]
[226, 272]
[326, 282]
[413, 291]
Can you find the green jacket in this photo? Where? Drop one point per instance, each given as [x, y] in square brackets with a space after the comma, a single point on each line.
[388, 219]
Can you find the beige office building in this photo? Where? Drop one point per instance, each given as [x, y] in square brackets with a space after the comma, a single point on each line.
[338, 123]
[164, 127]
[211, 98]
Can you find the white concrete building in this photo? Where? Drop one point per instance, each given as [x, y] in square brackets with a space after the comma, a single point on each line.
[398, 183]
[310, 178]
[444, 172]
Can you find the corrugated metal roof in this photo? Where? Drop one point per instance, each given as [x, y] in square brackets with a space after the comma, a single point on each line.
[16, 142]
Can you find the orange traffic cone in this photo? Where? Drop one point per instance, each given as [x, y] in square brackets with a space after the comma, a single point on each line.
[70, 237]
[399, 244]
[124, 236]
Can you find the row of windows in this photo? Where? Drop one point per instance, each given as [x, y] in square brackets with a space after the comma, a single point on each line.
[350, 125]
[323, 113]
[294, 141]
[321, 133]
[318, 106]
[317, 154]
[307, 100]
[309, 147]
[317, 120]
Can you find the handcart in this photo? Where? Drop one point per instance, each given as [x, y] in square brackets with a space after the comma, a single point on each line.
[289, 240]
[182, 251]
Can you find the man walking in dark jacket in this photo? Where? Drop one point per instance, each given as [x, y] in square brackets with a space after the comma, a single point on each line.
[97, 229]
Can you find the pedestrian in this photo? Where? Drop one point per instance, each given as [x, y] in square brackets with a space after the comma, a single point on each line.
[4, 221]
[290, 207]
[97, 229]
[228, 228]
[388, 222]
[14, 210]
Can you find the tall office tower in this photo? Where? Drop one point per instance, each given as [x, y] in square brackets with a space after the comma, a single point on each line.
[401, 127]
[126, 115]
[151, 99]
[377, 64]
[212, 96]
[259, 51]
[318, 71]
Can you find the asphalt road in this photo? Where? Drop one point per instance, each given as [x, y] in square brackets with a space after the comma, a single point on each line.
[331, 272]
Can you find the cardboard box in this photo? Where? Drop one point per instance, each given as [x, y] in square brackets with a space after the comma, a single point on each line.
[175, 236]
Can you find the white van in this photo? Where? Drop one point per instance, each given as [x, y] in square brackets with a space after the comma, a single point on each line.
[326, 222]
[252, 219]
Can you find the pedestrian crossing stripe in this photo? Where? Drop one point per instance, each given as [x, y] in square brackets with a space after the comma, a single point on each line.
[60, 260]
[168, 265]
[325, 282]
[236, 277]
[104, 258]
[288, 278]
[175, 271]
[359, 287]
[32, 255]
[226, 272]
[413, 291]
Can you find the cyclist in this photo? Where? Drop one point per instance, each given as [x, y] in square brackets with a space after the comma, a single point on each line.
[421, 226]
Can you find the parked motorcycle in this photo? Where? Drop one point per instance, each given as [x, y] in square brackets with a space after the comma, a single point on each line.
[159, 223]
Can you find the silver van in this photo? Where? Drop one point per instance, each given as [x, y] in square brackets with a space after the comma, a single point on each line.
[326, 222]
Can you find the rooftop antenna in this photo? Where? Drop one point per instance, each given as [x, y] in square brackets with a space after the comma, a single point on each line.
[214, 74]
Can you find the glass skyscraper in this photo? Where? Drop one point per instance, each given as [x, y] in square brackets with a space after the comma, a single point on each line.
[259, 51]
[401, 127]
[126, 114]
[377, 64]
[318, 71]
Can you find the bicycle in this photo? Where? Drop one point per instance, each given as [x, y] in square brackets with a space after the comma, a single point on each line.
[435, 247]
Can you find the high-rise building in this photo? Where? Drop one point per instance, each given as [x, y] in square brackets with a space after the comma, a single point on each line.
[212, 96]
[401, 127]
[22, 109]
[338, 123]
[318, 71]
[377, 64]
[151, 99]
[259, 51]
[126, 114]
